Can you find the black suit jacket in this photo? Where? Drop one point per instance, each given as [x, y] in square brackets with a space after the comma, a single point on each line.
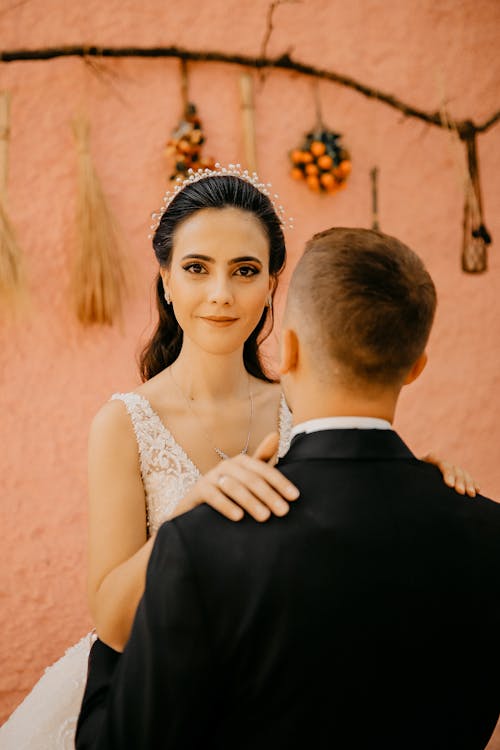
[368, 617]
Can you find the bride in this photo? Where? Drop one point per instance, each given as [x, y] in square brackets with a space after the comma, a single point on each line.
[204, 427]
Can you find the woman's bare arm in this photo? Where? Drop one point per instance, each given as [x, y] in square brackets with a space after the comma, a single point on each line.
[118, 546]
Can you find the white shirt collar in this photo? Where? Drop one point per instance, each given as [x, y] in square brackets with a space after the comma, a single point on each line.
[341, 423]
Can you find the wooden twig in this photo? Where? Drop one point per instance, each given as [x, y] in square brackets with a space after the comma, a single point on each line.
[248, 121]
[488, 123]
[374, 181]
[283, 62]
[269, 23]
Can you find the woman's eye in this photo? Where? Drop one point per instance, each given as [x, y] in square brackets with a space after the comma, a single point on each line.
[246, 271]
[194, 268]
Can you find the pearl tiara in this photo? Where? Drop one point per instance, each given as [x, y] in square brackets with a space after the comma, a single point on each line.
[233, 170]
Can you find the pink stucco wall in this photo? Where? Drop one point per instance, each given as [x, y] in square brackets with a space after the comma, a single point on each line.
[55, 375]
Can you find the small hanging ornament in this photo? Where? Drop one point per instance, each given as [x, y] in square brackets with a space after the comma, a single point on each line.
[321, 160]
[184, 147]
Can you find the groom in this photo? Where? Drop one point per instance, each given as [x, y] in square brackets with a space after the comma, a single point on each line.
[369, 616]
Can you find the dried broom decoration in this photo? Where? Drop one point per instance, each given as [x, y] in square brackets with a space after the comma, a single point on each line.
[476, 237]
[98, 275]
[11, 271]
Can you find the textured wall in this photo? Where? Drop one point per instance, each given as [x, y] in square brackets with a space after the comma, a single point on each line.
[55, 375]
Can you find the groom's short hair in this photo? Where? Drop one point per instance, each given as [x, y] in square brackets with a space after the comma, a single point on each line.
[367, 302]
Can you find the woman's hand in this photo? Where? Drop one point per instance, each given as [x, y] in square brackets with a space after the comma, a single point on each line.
[454, 476]
[246, 483]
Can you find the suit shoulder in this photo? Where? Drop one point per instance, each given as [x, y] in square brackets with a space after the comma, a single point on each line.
[193, 523]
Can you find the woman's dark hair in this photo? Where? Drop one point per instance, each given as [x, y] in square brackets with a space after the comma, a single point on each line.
[210, 192]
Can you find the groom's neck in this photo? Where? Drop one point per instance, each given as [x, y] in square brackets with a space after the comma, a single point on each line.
[313, 401]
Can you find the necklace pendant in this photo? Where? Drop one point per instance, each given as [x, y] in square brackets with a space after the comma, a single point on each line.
[225, 456]
[220, 453]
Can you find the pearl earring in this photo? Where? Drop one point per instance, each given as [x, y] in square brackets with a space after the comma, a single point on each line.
[167, 297]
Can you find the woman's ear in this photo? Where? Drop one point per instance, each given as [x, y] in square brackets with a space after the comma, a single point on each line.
[289, 351]
[164, 277]
[416, 370]
[273, 283]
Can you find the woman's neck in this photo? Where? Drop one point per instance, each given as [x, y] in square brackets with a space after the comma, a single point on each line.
[204, 376]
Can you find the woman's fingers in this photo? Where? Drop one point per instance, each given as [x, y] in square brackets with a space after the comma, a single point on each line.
[268, 448]
[247, 483]
[220, 502]
[252, 492]
[459, 481]
[239, 493]
[454, 476]
[250, 483]
[269, 474]
[471, 486]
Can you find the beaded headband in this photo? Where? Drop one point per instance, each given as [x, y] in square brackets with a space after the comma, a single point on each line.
[233, 170]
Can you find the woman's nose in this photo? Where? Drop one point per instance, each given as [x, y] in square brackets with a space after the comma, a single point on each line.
[220, 291]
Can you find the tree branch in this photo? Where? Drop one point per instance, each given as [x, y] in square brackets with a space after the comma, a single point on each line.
[283, 62]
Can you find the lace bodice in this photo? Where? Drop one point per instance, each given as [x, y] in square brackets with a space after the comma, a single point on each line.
[167, 471]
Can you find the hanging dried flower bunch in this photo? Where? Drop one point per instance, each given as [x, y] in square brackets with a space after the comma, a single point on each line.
[321, 161]
[185, 145]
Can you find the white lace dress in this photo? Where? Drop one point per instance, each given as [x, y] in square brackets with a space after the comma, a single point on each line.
[46, 719]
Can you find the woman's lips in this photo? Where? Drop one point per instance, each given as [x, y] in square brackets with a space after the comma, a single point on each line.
[219, 321]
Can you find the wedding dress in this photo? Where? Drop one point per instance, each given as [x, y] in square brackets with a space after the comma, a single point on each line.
[46, 718]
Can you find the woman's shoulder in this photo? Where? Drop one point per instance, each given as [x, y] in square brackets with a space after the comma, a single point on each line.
[119, 403]
[119, 412]
[111, 421]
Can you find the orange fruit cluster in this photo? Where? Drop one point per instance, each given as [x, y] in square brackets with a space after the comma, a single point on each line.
[321, 162]
[185, 145]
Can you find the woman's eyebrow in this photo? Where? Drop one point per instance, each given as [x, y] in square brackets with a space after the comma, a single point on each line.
[240, 259]
[245, 258]
[198, 257]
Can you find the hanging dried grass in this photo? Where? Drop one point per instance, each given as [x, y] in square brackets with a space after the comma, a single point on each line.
[11, 267]
[476, 237]
[98, 275]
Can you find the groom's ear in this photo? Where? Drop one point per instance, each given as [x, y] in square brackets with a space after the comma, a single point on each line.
[289, 352]
[416, 370]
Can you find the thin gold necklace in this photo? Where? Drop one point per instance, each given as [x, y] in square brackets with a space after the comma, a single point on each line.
[219, 451]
